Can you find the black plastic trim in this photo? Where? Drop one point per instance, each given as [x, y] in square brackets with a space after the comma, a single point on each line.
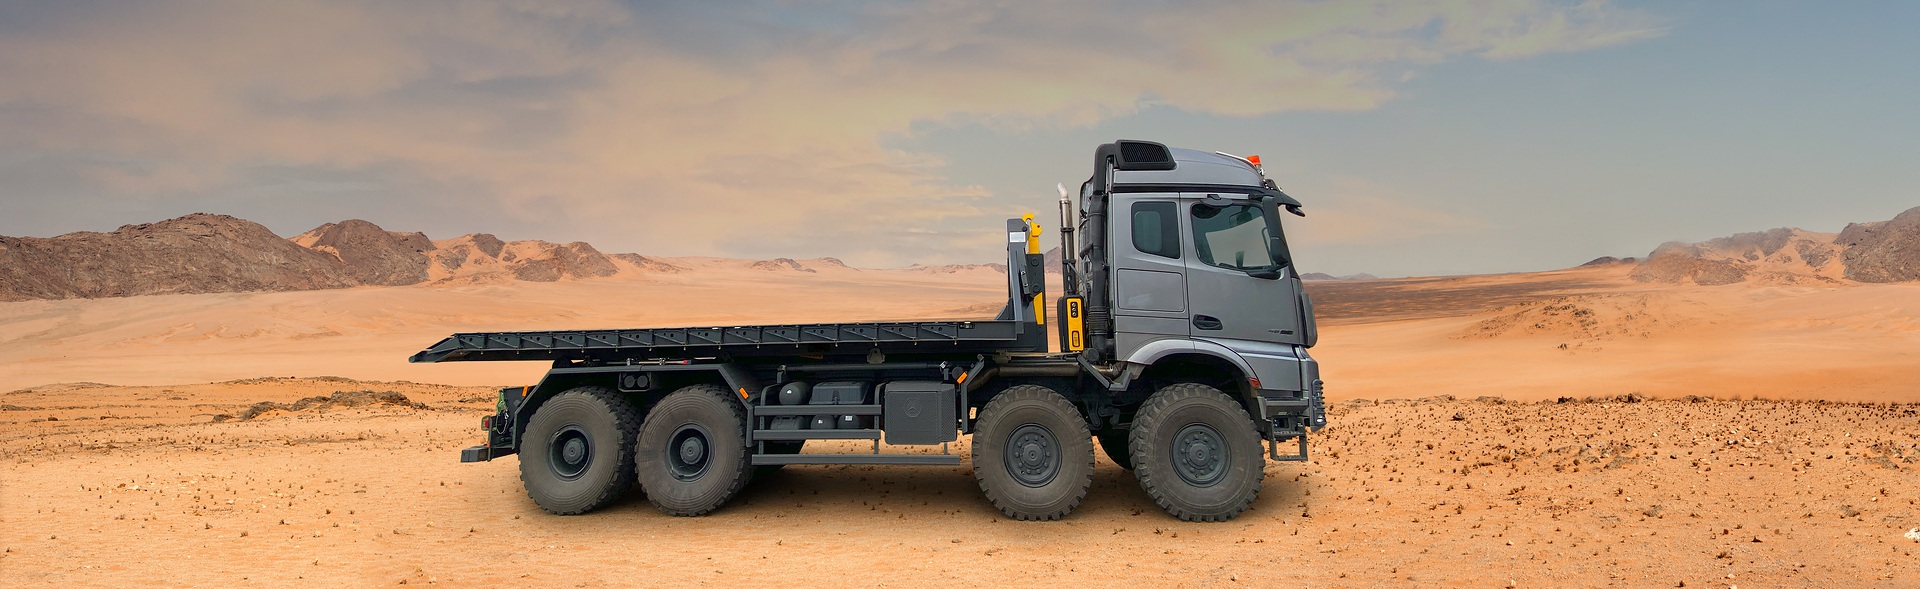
[897, 459]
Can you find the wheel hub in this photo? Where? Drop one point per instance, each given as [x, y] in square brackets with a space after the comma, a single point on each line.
[1031, 455]
[1201, 455]
[571, 452]
[692, 450]
[687, 454]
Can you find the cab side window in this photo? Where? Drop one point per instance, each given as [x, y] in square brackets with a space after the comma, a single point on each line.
[1156, 229]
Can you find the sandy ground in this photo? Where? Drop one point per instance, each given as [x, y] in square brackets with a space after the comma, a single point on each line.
[147, 481]
[1593, 332]
[367, 333]
[140, 486]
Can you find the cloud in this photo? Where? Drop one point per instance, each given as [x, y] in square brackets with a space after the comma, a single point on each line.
[687, 127]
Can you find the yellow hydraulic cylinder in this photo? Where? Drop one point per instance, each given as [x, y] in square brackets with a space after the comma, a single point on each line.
[1033, 247]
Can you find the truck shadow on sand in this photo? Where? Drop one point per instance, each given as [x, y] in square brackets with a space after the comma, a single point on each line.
[806, 492]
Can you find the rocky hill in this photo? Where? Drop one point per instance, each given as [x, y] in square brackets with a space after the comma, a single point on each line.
[1326, 276]
[369, 254]
[1608, 261]
[197, 253]
[1884, 251]
[202, 253]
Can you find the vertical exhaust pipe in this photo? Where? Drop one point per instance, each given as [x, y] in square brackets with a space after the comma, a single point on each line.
[1069, 255]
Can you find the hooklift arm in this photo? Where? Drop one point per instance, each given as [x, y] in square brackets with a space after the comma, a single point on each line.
[1026, 276]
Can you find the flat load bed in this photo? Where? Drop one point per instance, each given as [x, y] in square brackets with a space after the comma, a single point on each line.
[754, 341]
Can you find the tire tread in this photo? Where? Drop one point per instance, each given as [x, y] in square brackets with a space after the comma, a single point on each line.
[1146, 465]
[1060, 404]
[743, 474]
[626, 420]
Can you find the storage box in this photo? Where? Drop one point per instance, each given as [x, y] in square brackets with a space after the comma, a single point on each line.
[919, 412]
[839, 393]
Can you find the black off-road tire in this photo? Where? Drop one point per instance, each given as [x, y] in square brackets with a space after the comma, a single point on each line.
[576, 454]
[1032, 453]
[1114, 443]
[781, 447]
[1196, 453]
[693, 453]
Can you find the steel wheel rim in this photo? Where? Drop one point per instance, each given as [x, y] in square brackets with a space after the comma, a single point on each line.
[1032, 455]
[690, 452]
[570, 452]
[1200, 455]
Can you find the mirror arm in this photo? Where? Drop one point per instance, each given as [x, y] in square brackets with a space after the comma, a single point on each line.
[1276, 242]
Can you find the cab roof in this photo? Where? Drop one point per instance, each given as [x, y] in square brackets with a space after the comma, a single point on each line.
[1192, 166]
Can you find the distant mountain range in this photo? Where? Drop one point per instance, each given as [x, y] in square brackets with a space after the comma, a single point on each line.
[203, 253]
[1880, 251]
[1326, 276]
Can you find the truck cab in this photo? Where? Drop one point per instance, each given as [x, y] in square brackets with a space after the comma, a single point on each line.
[1200, 276]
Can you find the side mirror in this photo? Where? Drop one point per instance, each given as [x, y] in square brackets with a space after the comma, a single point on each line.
[1280, 254]
[1277, 240]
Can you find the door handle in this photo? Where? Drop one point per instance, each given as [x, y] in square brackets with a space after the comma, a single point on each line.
[1207, 322]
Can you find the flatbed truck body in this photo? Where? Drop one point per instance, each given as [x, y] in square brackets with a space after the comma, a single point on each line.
[1183, 336]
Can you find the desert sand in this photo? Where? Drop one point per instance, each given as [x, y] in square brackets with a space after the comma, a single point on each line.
[1571, 428]
[1500, 335]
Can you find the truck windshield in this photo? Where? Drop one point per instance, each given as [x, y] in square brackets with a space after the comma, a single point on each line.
[1233, 236]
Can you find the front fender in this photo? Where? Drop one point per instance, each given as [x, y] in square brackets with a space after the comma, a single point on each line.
[1152, 352]
[1277, 365]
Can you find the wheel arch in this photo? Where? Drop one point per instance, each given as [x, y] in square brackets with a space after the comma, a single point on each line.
[1219, 368]
[665, 379]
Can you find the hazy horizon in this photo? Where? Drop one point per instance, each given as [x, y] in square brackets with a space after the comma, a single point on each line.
[1451, 137]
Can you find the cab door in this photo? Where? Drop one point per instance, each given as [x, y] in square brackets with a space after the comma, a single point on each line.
[1149, 282]
[1235, 290]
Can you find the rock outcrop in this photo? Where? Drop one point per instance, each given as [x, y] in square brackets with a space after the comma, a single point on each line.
[1326, 276]
[956, 268]
[482, 258]
[548, 262]
[202, 253]
[1608, 261]
[1775, 256]
[372, 255]
[645, 264]
[1885, 251]
[780, 265]
[198, 253]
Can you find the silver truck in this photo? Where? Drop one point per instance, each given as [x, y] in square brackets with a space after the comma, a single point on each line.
[1182, 334]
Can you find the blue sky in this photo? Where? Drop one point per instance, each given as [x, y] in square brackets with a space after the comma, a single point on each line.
[1426, 138]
